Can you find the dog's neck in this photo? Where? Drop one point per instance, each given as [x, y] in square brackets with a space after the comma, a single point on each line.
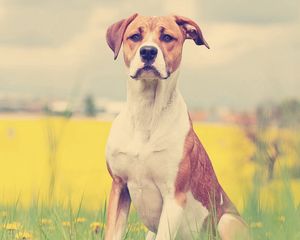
[148, 100]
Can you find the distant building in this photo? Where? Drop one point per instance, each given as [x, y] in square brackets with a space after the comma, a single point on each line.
[108, 109]
[58, 106]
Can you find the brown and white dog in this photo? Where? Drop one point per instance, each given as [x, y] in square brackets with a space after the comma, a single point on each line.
[153, 154]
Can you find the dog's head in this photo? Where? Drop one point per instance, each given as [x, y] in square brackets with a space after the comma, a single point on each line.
[152, 46]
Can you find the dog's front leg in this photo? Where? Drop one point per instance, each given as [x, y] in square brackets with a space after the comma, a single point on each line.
[118, 209]
[170, 218]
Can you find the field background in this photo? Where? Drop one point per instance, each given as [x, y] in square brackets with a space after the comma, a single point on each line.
[53, 171]
[33, 149]
[79, 161]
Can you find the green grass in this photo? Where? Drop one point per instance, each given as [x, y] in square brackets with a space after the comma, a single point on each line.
[59, 223]
[56, 222]
[278, 222]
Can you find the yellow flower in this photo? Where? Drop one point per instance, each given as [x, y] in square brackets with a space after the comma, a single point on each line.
[256, 225]
[12, 226]
[24, 236]
[136, 227]
[4, 214]
[96, 226]
[80, 220]
[259, 225]
[143, 228]
[66, 223]
[281, 219]
[45, 221]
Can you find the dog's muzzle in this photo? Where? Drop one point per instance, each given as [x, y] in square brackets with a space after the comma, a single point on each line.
[149, 64]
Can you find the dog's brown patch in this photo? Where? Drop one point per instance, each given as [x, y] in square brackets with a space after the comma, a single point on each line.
[196, 174]
[115, 33]
[118, 206]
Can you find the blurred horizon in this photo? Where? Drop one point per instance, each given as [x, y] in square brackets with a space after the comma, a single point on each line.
[57, 50]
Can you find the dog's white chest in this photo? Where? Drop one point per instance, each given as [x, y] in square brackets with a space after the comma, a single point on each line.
[147, 161]
[140, 161]
[133, 155]
[146, 152]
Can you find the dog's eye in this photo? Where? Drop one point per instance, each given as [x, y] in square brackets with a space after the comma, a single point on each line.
[136, 37]
[166, 38]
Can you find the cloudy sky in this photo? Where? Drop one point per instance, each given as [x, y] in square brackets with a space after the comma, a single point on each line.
[57, 49]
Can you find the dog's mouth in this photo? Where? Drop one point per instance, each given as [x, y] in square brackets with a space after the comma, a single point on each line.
[148, 71]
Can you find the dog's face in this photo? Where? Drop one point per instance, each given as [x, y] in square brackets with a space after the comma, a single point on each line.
[152, 46]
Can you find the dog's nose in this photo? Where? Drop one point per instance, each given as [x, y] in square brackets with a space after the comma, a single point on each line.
[148, 53]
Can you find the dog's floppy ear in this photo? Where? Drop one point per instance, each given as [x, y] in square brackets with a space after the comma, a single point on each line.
[115, 33]
[191, 30]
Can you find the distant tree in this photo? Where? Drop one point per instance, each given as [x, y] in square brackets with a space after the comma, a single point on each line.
[284, 114]
[270, 117]
[289, 113]
[268, 150]
[266, 115]
[46, 110]
[89, 106]
[67, 113]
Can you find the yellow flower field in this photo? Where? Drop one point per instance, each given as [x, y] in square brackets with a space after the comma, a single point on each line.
[36, 153]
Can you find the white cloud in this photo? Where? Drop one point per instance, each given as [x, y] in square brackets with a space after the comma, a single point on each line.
[184, 8]
[67, 55]
[229, 41]
[2, 12]
[244, 11]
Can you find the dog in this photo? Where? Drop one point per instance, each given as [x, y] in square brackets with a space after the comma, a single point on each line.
[153, 154]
